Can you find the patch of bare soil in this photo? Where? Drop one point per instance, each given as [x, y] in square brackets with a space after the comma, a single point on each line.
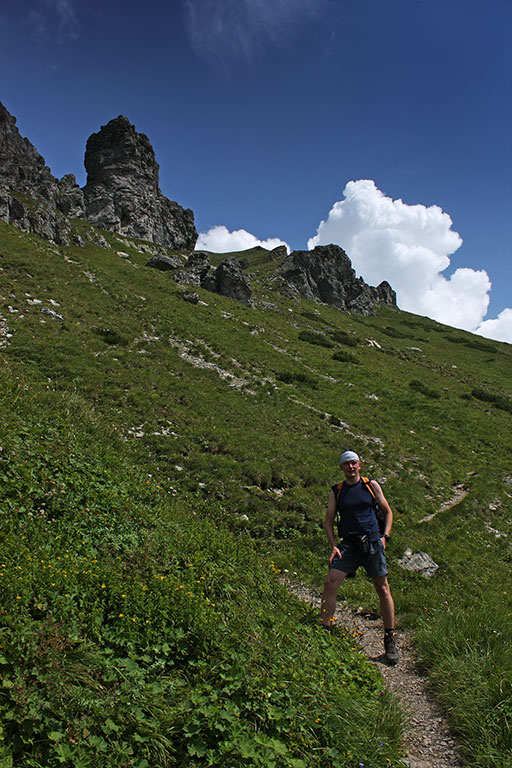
[428, 741]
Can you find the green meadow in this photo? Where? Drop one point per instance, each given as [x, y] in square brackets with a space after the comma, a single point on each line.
[163, 462]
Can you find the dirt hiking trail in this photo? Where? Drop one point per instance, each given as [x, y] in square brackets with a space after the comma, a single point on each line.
[428, 741]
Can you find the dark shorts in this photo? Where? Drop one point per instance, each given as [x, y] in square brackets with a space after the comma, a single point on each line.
[351, 558]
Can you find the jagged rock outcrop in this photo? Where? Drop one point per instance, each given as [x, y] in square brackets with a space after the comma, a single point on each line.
[326, 274]
[122, 192]
[29, 193]
[228, 279]
[195, 270]
[70, 198]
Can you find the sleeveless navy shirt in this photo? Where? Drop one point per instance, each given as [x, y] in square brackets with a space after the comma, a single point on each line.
[355, 511]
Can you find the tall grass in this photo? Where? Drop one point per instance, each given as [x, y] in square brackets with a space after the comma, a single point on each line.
[241, 412]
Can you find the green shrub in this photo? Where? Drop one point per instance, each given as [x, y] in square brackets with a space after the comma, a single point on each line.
[313, 316]
[110, 336]
[499, 401]
[345, 357]
[313, 337]
[395, 333]
[419, 386]
[344, 338]
[482, 346]
[290, 377]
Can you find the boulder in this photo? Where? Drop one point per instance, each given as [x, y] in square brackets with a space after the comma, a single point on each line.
[164, 263]
[229, 280]
[192, 298]
[279, 253]
[195, 270]
[419, 562]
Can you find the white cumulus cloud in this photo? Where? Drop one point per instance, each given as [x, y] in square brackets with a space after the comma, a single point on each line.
[410, 247]
[220, 240]
[499, 328]
[221, 28]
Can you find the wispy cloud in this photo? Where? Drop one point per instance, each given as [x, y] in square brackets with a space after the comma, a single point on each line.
[55, 18]
[222, 29]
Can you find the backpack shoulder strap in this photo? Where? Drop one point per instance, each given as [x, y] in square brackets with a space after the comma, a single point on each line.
[368, 485]
[338, 491]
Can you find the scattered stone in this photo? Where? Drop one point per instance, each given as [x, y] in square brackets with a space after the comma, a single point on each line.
[51, 313]
[495, 531]
[193, 298]
[419, 562]
[164, 263]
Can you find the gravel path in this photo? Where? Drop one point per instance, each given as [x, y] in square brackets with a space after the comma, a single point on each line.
[428, 741]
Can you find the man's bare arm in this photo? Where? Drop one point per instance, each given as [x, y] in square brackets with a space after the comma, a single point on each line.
[329, 526]
[383, 503]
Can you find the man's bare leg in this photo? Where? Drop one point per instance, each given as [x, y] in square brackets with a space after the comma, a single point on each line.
[387, 606]
[332, 584]
[387, 609]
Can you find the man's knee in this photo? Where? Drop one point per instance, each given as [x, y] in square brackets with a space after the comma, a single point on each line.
[333, 580]
[382, 586]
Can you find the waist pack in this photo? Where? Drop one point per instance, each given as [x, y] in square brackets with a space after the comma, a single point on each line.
[359, 541]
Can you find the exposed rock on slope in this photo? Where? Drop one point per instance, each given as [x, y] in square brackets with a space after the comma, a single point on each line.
[122, 192]
[326, 274]
[122, 195]
[30, 196]
[227, 279]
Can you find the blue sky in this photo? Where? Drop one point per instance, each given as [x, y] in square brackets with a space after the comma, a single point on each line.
[388, 120]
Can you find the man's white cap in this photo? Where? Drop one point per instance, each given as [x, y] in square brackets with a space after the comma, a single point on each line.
[349, 456]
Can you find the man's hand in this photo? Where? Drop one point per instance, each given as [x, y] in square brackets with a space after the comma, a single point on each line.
[335, 551]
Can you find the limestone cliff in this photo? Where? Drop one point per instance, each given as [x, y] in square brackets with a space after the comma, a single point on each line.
[122, 192]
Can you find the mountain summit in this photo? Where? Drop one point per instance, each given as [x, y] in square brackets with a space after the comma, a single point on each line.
[121, 193]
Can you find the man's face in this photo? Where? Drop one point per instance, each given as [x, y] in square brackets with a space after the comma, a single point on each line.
[351, 468]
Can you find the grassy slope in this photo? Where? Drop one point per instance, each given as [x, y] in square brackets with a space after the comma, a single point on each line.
[128, 348]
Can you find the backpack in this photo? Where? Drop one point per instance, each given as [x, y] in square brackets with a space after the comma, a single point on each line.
[379, 512]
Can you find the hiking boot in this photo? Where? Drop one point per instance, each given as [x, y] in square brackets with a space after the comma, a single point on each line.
[391, 649]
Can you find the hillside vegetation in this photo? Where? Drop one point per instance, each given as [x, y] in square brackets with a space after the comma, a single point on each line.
[162, 462]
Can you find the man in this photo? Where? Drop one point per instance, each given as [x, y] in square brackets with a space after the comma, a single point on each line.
[361, 544]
